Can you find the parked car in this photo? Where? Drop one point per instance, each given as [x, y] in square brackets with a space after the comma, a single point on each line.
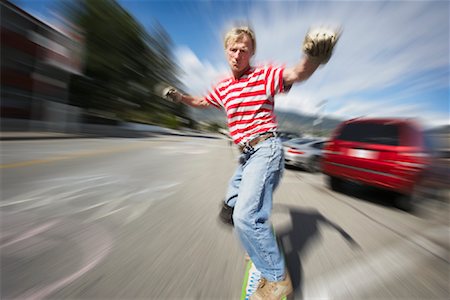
[390, 154]
[304, 152]
[287, 135]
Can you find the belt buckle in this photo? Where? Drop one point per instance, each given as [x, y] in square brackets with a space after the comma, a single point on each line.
[247, 148]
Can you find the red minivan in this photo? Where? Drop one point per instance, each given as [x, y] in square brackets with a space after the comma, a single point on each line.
[385, 153]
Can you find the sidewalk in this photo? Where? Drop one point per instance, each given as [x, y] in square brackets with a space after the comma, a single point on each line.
[43, 135]
[29, 135]
[11, 130]
[118, 133]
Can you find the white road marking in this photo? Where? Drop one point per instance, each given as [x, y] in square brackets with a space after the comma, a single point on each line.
[186, 148]
[95, 245]
[142, 208]
[31, 233]
[147, 197]
[11, 203]
[48, 194]
[88, 207]
[111, 192]
[107, 214]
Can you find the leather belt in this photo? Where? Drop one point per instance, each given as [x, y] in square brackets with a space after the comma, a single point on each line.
[253, 142]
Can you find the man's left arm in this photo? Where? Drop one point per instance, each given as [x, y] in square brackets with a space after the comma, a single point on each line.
[317, 48]
[300, 72]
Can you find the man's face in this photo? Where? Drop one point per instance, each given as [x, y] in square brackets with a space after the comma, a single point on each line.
[238, 53]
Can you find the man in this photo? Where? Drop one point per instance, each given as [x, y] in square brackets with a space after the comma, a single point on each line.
[248, 100]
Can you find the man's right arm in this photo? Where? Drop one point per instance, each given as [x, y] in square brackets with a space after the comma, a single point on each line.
[172, 94]
[199, 102]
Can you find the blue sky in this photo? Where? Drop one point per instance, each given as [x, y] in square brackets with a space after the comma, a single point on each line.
[391, 61]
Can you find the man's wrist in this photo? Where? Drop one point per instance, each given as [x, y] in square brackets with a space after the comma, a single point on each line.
[172, 94]
[312, 61]
[175, 96]
[179, 97]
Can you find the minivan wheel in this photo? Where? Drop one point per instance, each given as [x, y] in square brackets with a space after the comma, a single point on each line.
[404, 202]
[335, 183]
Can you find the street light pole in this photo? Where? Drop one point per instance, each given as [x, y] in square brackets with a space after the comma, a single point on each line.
[319, 115]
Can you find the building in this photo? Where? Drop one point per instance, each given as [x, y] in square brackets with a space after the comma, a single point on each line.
[37, 62]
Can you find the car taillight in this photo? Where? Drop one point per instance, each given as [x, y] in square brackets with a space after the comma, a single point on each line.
[413, 160]
[418, 154]
[410, 164]
[294, 151]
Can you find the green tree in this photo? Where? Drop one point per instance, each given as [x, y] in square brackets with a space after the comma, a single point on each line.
[122, 63]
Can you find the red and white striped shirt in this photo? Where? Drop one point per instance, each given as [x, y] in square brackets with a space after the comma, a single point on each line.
[249, 101]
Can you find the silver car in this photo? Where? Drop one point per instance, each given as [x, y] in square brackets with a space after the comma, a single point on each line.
[305, 153]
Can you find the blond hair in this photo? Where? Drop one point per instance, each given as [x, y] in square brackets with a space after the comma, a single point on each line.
[237, 33]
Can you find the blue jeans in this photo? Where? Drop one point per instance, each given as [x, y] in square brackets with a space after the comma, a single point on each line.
[250, 192]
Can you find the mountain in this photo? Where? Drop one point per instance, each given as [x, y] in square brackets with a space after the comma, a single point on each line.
[287, 121]
[290, 121]
[295, 122]
[443, 130]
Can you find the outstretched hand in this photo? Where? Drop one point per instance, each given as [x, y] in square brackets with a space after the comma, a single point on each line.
[167, 92]
[319, 43]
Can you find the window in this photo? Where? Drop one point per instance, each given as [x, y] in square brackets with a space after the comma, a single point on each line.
[385, 134]
[318, 145]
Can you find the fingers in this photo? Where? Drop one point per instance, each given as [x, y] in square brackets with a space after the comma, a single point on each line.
[167, 92]
[171, 94]
[319, 43]
[308, 47]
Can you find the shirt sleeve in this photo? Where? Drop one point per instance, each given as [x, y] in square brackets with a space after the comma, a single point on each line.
[274, 80]
[213, 97]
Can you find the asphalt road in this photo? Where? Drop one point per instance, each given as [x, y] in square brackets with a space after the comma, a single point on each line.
[137, 219]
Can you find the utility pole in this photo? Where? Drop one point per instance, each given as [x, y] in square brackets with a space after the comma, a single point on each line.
[319, 116]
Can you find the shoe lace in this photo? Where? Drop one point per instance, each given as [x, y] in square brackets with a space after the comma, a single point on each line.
[265, 288]
[261, 282]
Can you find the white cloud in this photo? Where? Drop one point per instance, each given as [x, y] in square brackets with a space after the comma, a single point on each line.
[395, 45]
[197, 75]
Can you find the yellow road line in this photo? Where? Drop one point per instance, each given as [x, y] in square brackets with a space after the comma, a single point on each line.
[72, 156]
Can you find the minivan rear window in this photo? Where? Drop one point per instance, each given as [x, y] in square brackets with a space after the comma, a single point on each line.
[385, 134]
